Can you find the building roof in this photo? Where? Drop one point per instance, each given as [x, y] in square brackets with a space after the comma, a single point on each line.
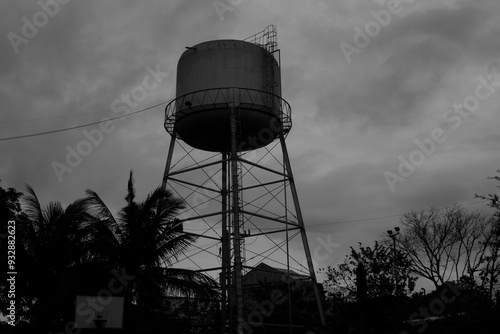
[272, 274]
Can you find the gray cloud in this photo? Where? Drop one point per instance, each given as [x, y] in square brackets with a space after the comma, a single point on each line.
[351, 121]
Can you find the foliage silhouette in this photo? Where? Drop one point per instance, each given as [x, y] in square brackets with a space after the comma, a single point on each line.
[145, 238]
[446, 244]
[50, 240]
[389, 284]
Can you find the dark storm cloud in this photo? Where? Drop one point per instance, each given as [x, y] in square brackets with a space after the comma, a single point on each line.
[452, 25]
[82, 60]
[419, 49]
[388, 97]
[344, 190]
[350, 121]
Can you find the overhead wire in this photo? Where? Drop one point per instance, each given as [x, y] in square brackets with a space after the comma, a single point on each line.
[53, 117]
[81, 125]
[154, 106]
[372, 218]
[390, 216]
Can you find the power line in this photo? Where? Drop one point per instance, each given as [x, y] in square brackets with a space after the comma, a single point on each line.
[81, 125]
[356, 220]
[53, 117]
[391, 216]
[156, 105]
[366, 219]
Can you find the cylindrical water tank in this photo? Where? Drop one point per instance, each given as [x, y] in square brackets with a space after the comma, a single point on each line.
[215, 76]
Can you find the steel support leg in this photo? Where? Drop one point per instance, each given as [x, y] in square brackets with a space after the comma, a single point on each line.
[302, 230]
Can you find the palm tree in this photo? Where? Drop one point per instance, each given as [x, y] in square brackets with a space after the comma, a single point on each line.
[144, 239]
[52, 240]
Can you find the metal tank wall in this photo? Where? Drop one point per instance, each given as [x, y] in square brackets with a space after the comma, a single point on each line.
[224, 63]
[214, 75]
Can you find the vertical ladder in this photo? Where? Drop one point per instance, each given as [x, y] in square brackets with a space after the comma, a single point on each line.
[269, 75]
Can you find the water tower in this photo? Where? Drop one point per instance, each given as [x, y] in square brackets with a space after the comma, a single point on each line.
[228, 160]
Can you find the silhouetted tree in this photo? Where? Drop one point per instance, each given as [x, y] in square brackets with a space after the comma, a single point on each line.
[52, 239]
[493, 199]
[492, 266]
[361, 295]
[144, 239]
[447, 244]
[388, 273]
[10, 209]
[388, 284]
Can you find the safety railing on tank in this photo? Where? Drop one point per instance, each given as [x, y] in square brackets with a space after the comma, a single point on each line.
[266, 39]
[210, 99]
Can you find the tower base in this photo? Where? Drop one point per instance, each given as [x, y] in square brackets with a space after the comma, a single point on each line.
[244, 208]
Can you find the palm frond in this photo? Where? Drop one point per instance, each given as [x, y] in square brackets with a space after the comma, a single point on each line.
[98, 209]
[171, 246]
[52, 213]
[79, 213]
[169, 205]
[32, 207]
[186, 282]
[144, 237]
[103, 242]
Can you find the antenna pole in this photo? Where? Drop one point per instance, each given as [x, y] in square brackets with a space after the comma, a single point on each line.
[225, 281]
[236, 219]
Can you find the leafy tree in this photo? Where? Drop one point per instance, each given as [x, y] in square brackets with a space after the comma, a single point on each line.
[388, 285]
[51, 239]
[10, 209]
[454, 307]
[493, 199]
[388, 273]
[446, 244]
[144, 239]
[492, 265]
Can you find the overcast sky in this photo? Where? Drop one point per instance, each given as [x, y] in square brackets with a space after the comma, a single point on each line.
[375, 86]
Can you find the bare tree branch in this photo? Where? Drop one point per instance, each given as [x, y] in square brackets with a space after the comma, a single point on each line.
[447, 244]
